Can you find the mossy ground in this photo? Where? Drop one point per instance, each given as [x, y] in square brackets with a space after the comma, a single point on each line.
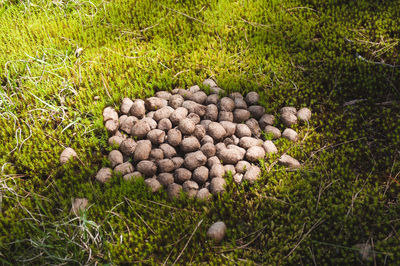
[319, 54]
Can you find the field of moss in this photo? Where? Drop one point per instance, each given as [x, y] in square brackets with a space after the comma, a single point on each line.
[339, 58]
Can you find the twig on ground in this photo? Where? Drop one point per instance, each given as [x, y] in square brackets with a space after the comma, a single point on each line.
[187, 243]
[319, 222]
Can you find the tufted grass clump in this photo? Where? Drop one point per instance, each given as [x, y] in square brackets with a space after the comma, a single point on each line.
[62, 62]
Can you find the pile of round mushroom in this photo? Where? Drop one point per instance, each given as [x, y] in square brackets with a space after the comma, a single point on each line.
[188, 140]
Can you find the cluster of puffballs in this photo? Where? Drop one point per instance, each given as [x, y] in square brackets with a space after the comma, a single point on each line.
[186, 140]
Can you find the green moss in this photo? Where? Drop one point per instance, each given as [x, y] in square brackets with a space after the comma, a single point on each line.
[319, 54]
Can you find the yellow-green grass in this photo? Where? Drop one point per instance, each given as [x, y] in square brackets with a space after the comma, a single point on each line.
[300, 53]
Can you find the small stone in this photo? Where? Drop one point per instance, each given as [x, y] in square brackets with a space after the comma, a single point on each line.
[220, 146]
[127, 124]
[230, 168]
[236, 140]
[111, 126]
[290, 134]
[242, 166]
[240, 103]
[126, 105]
[207, 139]
[153, 184]
[199, 132]
[217, 231]
[182, 174]
[213, 160]
[252, 174]
[115, 157]
[216, 131]
[288, 109]
[150, 114]
[212, 99]
[187, 126]
[164, 112]
[228, 141]
[156, 154]
[79, 205]
[156, 136]
[147, 168]
[174, 137]
[166, 165]
[240, 115]
[365, 251]
[252, 98]
[239, 149]
[256, 111]
[237, 178]
[205, 123]
[269, 147]
[163, 95]
[175, 101]
[194, 107]
[194, 89]
[186, 94]
[225, 116]
[199, 97]
[248, 142]
[304, 114]
[190, 187]
[211, 112]
[104, 175]
[140, 129]
[204, 194]
[217, 90]
[273, 131]
[138, 109]
[194, 160]
[200, 174]
[242, 130]
[165, 179]
[230, 156]
[142, 151]
[168, 150]
[164, 124]
[289, 161]
[179, 114]
[122, 119]
[189, 144]
[208, 149]
[115, 141]
[178, 162]
[255, 153]
[152, 123]
[209, 83]
[289, 119]
[128, 147]
[235, 95]
[229, 128]
[217, 170]
[109, 113]
[254, 127]
[124, 168]
[155, 103]
[226, 104]
[133, 176]
[217, 186]
[173, 191]
[67, 154]
[266, 120]
[194, 117]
